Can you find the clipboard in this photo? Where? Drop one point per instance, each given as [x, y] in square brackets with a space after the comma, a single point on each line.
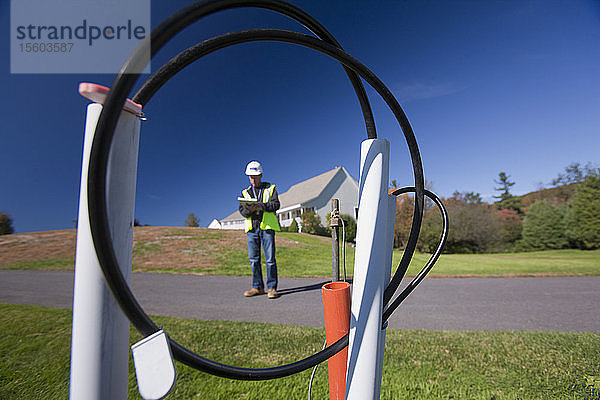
[244, 200]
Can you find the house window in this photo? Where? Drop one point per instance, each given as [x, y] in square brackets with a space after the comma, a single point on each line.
[309, 209]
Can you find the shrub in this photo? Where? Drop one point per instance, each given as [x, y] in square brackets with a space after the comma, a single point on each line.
[6, 227]
[192, 220]
[350, 224]
[293, 226]
[404, 214]
[311, 223]
[544, 227]
[349, 227]
[583, 215]
[512, 226]
[474, 227]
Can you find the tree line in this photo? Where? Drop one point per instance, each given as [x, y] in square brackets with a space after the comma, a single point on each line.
[566, 215]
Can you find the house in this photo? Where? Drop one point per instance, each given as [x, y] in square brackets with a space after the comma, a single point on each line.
[313, 194]
[215, 224]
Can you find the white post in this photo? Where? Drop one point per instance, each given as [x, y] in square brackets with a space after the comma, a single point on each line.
[390, 224]
[372, 268]
[100, 334]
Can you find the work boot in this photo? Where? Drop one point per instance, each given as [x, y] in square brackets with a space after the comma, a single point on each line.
[272, 294]
[253, 292]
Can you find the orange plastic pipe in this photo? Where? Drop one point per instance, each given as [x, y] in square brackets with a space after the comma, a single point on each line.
[336, 307]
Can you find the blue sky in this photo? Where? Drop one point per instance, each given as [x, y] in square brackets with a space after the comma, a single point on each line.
[488, 86]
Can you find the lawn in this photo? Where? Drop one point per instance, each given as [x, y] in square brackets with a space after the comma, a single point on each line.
[537, 263]
[34, 360]
[205, 251]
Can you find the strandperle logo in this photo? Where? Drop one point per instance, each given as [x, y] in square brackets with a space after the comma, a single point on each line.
[85, 31]
[78, 36]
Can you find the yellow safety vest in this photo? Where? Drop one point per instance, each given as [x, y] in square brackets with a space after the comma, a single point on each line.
[269, 219]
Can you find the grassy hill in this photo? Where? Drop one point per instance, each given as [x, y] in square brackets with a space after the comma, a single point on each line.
[556, 195]
[222, 252]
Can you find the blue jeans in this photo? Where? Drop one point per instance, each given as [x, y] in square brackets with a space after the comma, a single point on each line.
[267, 238]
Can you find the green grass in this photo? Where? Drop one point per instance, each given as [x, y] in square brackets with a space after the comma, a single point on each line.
[310, 256]
[35, 346]
[549, 262]
[143, 248]
[49, 263]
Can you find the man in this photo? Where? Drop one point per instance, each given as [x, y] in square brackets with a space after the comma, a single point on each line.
[261, 224]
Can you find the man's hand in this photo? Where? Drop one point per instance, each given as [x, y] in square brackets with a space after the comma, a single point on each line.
[253, 207]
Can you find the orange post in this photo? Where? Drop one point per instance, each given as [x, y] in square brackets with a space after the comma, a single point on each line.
[336, 306]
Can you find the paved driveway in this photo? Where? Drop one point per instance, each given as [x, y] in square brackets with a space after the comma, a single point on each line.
[491, 304]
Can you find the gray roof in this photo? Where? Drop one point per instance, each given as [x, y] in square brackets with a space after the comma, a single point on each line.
[302, 192]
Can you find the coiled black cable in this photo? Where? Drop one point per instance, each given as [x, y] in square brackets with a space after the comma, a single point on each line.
[387, 312]
[172, 25]
[103, 140]
[194, 53]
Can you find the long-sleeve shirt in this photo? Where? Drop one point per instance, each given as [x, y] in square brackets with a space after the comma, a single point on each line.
[257, 193]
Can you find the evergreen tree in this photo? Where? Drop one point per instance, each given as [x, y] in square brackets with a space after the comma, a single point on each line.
[583, 215]
[293, 226]
[504, 186]
[192, 220]
[505, 198]
[6, 227]
[544, 226]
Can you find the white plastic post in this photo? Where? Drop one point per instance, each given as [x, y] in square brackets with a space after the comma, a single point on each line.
[390, 224]
[372, 268]
[100, 334]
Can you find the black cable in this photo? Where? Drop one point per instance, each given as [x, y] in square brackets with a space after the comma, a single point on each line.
[97, 195]
[434, 256]
[184, 17]
[188, 56]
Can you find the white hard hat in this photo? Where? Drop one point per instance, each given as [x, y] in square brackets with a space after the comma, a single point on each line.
[253, 168]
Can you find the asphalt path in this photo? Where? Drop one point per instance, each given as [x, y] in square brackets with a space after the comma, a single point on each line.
[474, 304]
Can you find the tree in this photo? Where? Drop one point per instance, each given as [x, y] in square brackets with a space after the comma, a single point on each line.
[512, 226]
[513, 203]
[566, 182]
[574, 173]
[6, 227]
[473, 226]
[192, 220]
[583, 214]
[405, 205]
[350, 227]
[467, 197]
[293, 226]
[544, 227]
[311, 223]
[404, 213]
[504, 186]
[505, 198]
